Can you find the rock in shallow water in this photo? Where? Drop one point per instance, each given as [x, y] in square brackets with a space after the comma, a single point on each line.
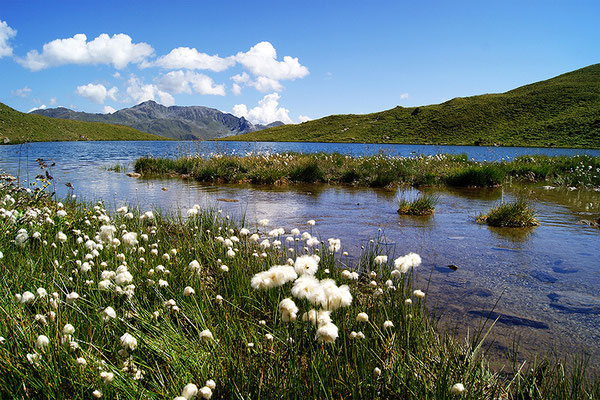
[574, 302]
[509, 319]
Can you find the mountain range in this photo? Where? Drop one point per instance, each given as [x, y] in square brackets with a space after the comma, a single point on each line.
[176, 122]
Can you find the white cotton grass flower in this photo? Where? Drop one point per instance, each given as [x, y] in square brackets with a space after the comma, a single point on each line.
[107, 377]
[206, 335]
[334, 245]
[305, 236]
[108, 313]
[288, 310]
[376, 372]
[275, 276]
[327, 333]
[230, 253]
[34, 359]
[362, 317]
[107, 233]
[194, 265]
[211, 384]
[189, 391]
[60, 237]
[188, 291]
[42, 342]
[130, 239]
[388, 325]
[205, 392]
[318, 318]
[26, 298]
[295, 232]
[408, 302]
[81, 362]
[405, 263]
[379, 260]
[263, 222]
[21, 237]
[334, 296]
[128, 342]
[71, 297]
[310, 222]
[457, 388]
[306, 265]
[96, 394]
[68, 329]
[419, 294]
[312, 241]
[308, 287]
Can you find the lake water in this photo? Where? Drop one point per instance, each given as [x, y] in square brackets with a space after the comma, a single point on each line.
[543, 284]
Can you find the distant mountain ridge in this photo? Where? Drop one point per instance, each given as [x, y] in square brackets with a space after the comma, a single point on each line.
[563, 111]
[177, 122]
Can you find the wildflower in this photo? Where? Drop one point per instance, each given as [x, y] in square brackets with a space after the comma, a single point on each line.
[61, 213]
[81, 362]
[211, 384]
[334, 296]
[25, 298]
[130, 239]
[188, 291]
[68, 329]
[42, 342]
[334, 245]
[405, 263]
[219, 299]
[327, 333]
[107, 377]
[205, 392]
[128, 342]
[376, 372]
[108, 313]
[123, 277]
[308, 287]
[206, 335]
[250, 345]
[61, 237]
[122, 210]
[306, 265]
[305, 236]
[362, 317]
[230, 253]
[71, 297]
[107, 233]
[263, 222]
[360, 335]
[379, 260]
[295, 232]
[311, 222]
[313, 241]
[34, 359]
[269, 337]
[21, 238]
[288, 310]
[419, 294]
[388, 324]
[190, 390]
[457, 388]
[408, 302]
[97, 394]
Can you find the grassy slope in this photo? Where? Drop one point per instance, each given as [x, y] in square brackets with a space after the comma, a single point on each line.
[20, 127]
[563, 111]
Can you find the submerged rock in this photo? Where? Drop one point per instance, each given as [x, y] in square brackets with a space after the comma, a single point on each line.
[574, 302]
[544, 277]
[509, 319]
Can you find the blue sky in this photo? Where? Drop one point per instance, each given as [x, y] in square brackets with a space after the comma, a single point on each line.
[290, 60]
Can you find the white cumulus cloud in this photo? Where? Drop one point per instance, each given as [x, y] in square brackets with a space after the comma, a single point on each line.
[118, 50]
[190, 58]
[108, 110]
[176, 82]
[261, 83]
[97, 92]
[261, 60]
[265, 112]
[6, 33]
[23, 92]
[304, 118]
[140, 92]
[404, 96]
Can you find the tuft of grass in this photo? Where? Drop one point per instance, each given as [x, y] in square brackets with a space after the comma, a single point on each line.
[423, 205]
[515, 214]
[481, 176]
[117, 168]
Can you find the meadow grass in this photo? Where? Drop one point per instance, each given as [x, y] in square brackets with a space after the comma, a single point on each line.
[118, 167]
[514, 214]
[376, 171]
[169, 280]
[422, 205]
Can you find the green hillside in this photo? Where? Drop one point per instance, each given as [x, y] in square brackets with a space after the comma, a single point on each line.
[19, 127]
[563, 111]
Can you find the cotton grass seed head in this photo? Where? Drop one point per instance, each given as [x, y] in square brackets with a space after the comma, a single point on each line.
[457, 388]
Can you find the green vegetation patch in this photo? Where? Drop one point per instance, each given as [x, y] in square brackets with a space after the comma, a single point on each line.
[422, 205]
[515, 214]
